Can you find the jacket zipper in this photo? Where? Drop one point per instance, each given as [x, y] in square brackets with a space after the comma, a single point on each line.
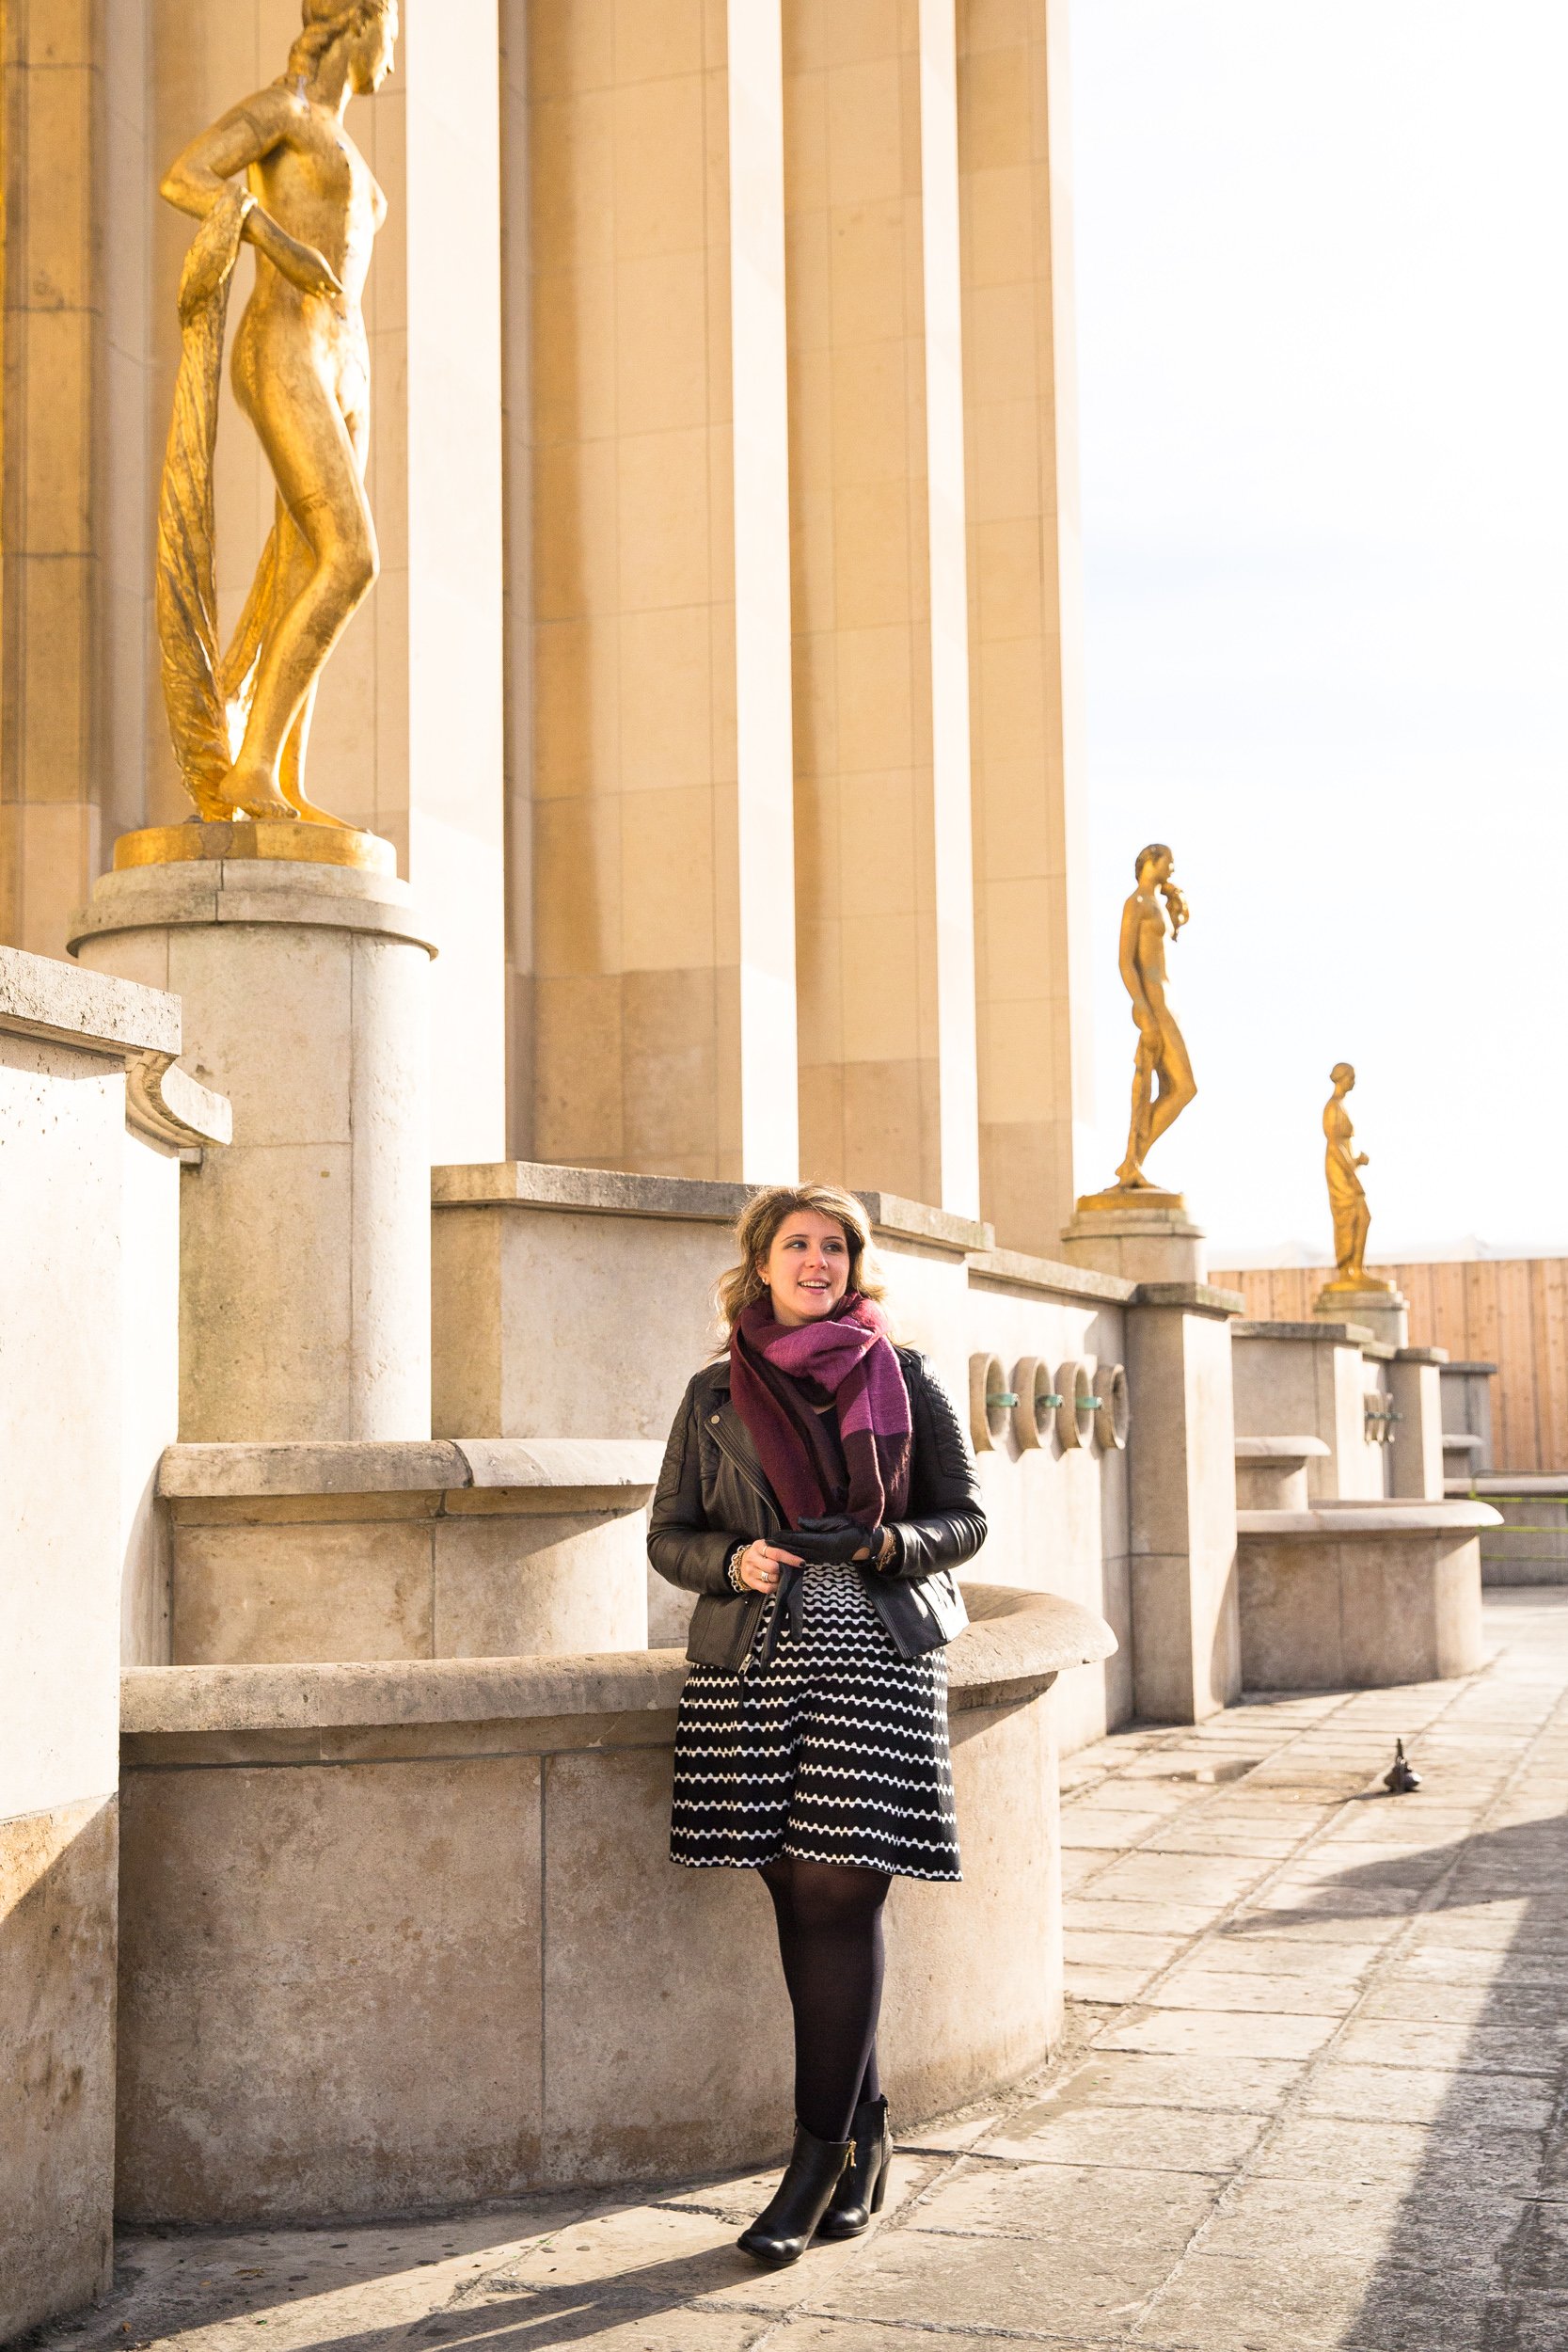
[766, 1502]
[742, 1472]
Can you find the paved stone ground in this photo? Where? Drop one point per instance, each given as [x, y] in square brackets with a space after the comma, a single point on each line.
[1314, 2093]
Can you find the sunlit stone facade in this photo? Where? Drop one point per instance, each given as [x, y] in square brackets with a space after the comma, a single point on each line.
[717, 690]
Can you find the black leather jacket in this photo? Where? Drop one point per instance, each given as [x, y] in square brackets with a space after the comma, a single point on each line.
[712, 1494]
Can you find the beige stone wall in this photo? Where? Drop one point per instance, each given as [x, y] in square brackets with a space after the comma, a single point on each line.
[880, 811]
[1030, 844]
[51, 704]
[729, 337]
[662, 985]
[87, 1333]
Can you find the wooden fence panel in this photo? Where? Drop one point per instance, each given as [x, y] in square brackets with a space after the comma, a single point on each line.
[1551, 1276]
[1509, 1311]
[1518, 1440]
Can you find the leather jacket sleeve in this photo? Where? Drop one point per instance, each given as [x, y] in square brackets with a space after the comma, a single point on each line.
[681, 1545]
[947, 1521]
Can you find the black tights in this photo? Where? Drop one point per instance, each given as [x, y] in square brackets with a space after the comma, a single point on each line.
[829, 1916]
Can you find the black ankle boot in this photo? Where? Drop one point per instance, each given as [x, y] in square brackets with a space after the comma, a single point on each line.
[784, 2228]
[862, 2183]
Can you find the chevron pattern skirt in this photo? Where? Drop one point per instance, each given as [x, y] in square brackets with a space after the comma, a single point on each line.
[835, 1751]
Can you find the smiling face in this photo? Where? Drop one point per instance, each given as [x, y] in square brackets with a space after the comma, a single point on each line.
[371, 57]
[807, 1267]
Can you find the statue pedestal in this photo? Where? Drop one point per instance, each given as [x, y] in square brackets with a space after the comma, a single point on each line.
[1383, 1310]
[305, 1257]
[1144, 1237]
[1181, 1467]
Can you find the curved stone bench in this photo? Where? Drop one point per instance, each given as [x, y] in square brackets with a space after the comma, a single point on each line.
[1359, 1595]
[407, 1934]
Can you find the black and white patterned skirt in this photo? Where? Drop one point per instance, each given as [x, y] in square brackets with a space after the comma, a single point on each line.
[835, 1751]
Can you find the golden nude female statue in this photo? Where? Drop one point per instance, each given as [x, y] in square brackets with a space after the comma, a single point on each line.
[1163, 1081]
[1347, 1197]
[310, 208]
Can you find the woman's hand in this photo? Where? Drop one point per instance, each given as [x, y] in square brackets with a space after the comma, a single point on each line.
[833, 1540]
[760, 1565]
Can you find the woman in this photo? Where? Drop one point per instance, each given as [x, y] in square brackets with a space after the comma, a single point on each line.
[816, 1493]
[301, 372]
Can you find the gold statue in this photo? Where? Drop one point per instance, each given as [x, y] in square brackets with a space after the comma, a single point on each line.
[1162, 1050]
[241, 719]
[1347, 1195]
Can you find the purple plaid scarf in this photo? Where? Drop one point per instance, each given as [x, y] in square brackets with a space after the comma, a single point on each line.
[776, 1371]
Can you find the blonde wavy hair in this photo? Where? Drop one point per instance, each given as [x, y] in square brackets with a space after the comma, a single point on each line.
[326, 21]
[758, 1224]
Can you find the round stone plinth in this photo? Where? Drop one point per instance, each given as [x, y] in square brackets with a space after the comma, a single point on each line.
[1141, 1235]
[304, 1243]
[288, 843]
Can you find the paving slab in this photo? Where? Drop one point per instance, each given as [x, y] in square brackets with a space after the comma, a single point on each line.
[1492, 1998]
[1379, 2221]
[1033, 2287]
[1134, 2078]
[1282, 2303]
[1134, 1916]
[1196, 1985]
[1236, 1950]
[1079, 2206]
[1107, 1948]
[1410, 2156]
[1149, 2139]
[1479, 2048]
[1110, 1987]
[1187, 1878]
[853, 2335]
[1220, 2033]
[1110, 1833]
[1410, 2094]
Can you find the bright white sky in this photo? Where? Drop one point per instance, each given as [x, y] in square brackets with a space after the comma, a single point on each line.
[1323, 253]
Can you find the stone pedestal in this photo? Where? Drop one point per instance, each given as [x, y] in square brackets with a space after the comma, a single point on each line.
[1381, 1310]
[1467, 1398]
[1144, 1237]
[1415, 1455]
[305, 1310]
[1181, 1468]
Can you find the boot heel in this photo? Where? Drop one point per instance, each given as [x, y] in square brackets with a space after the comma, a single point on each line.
[880, 2193]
